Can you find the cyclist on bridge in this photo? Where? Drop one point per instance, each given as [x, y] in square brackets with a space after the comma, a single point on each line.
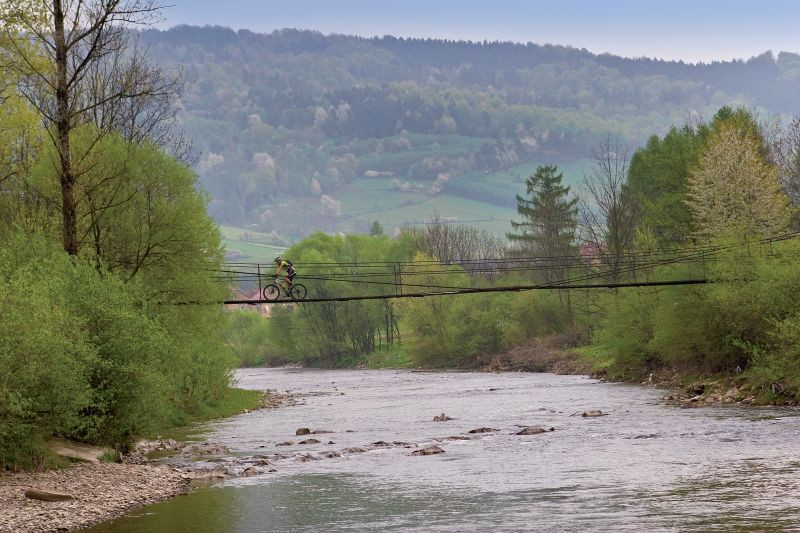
[287, 268]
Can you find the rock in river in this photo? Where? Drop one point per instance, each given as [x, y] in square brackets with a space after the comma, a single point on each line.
[441, 418]
[251, 471]
[431, 450]
[533, 430]
[593, 413]
[354, 450]
[303, 431]
[483, 430]
[309, 441]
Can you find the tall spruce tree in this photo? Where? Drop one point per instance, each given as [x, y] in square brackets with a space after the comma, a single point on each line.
[549, 217]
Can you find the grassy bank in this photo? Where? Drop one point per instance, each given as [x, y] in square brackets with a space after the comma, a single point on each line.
[234, 402]
[391, 357]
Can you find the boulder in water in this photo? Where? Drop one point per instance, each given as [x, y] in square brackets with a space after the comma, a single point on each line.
[533, 430]
[592, 413]
[287, 443]
[205, 448]
[303, 431]
[441, 418]
[309, 441]
[430, 450]
[354, 450]
[483, 430]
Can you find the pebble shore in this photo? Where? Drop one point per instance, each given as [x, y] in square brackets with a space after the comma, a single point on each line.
[102, 491]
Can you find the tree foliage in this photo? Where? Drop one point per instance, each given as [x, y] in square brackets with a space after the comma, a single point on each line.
[76, 67]
[734, 190]
[658, 178]
[549, 215]
[91, 346]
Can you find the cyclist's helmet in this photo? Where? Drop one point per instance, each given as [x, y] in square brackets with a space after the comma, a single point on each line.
[278, 259]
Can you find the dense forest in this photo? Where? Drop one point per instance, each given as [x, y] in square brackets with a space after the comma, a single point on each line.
[297, 119]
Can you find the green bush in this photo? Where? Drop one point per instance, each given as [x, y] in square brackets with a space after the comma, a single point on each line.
[82, 357]
[749, 321]
[248, 335]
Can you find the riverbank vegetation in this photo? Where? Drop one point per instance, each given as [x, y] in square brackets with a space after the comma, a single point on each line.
[717, 190]
[102, 232]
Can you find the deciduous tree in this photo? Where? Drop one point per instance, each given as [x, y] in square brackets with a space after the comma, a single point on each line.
[92, 73]
[608, 214]
[734, 190]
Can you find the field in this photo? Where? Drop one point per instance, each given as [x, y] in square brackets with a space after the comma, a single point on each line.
[484, 201]
[246, 246]
[365, 200]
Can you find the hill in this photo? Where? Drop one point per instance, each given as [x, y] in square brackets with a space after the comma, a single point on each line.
[300, 131]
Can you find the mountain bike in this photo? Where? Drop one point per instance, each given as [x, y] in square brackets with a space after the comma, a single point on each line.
[273, 290]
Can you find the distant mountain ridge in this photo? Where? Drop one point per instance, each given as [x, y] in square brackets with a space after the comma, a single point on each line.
[295, 115]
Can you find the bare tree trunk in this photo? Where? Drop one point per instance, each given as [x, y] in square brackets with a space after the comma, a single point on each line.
[95, 76]
[63, 127]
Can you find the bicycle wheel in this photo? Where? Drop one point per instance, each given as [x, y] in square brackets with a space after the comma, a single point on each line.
[271, 292]
[299, 291]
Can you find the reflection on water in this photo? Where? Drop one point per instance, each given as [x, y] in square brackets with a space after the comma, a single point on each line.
[645, 466]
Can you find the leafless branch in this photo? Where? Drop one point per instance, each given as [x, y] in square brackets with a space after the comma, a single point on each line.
[608, 217]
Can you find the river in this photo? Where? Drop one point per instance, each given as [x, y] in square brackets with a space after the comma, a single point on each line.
[646, 465]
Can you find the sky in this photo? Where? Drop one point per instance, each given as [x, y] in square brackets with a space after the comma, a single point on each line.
[698, 30]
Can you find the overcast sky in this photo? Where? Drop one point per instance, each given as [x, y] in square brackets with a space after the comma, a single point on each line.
[696, 30]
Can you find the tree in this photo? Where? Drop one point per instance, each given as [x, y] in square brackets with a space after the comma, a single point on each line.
[734, 190]
[152, 221]
[608, 214]
[90, 74]
[456, 243]
[21, 138]
[657, 182]
[785, 155]
[376, 230]
[549, 217]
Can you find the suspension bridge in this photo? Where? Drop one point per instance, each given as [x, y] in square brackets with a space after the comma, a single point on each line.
[590, 269]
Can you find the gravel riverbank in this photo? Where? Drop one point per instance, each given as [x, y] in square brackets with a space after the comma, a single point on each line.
[101, 490]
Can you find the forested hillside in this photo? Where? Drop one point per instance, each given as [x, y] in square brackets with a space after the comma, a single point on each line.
[349, 130]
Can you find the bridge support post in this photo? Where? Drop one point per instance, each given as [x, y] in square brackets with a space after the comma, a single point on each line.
[398, 270]
[703, 262]
[258, 269]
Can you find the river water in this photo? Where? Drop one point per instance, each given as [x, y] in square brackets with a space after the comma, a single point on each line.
[645, 466]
